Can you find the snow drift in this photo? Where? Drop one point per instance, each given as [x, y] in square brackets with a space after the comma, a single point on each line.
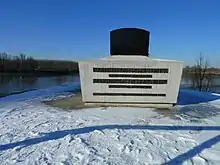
[33, 133]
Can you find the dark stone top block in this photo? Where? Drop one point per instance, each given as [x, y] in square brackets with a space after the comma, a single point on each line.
[129, 41]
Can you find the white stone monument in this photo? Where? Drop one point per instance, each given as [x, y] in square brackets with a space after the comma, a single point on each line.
[130, 80]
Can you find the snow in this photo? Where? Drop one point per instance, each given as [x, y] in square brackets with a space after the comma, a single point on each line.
[33, 133]
[49, 92]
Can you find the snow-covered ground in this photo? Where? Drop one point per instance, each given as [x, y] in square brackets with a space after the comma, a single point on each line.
[33, 133]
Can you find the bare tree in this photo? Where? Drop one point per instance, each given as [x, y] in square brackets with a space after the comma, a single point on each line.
[201, 77]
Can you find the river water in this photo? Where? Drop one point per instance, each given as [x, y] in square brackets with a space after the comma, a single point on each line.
[215, 87]
[12, 83]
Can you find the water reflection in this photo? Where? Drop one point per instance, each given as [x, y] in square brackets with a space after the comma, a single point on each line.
[16, 82]
[60, 79]
[186, 82]
[29, 80]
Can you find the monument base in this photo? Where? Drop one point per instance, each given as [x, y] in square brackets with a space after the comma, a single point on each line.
[140, 105]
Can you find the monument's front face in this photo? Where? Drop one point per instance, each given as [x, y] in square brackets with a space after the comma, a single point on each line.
[128, 76]
[136, 80]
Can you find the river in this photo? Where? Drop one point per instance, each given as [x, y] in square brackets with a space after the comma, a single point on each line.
[215, 85]
[15, 83]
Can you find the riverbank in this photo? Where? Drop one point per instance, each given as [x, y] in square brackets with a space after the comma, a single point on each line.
[14, 93]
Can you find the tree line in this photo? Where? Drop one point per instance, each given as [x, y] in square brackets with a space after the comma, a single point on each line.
[201, 76]
[24, 63]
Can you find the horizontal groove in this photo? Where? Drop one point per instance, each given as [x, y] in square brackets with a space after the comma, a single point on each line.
[131, 86]
[129, 81]
[132, 70]
[131, 75]
[129, 94]
[127, 103]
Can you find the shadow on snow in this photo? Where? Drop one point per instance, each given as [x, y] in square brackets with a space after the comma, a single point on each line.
[194, 151]
[187, 97]
[179, 159]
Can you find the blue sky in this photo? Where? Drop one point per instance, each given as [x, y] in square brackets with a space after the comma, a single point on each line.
[79, 29]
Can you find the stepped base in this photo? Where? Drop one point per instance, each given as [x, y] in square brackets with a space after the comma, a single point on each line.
[147, 105]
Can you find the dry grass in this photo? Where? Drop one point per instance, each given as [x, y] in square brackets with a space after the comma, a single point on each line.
[73, 102]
